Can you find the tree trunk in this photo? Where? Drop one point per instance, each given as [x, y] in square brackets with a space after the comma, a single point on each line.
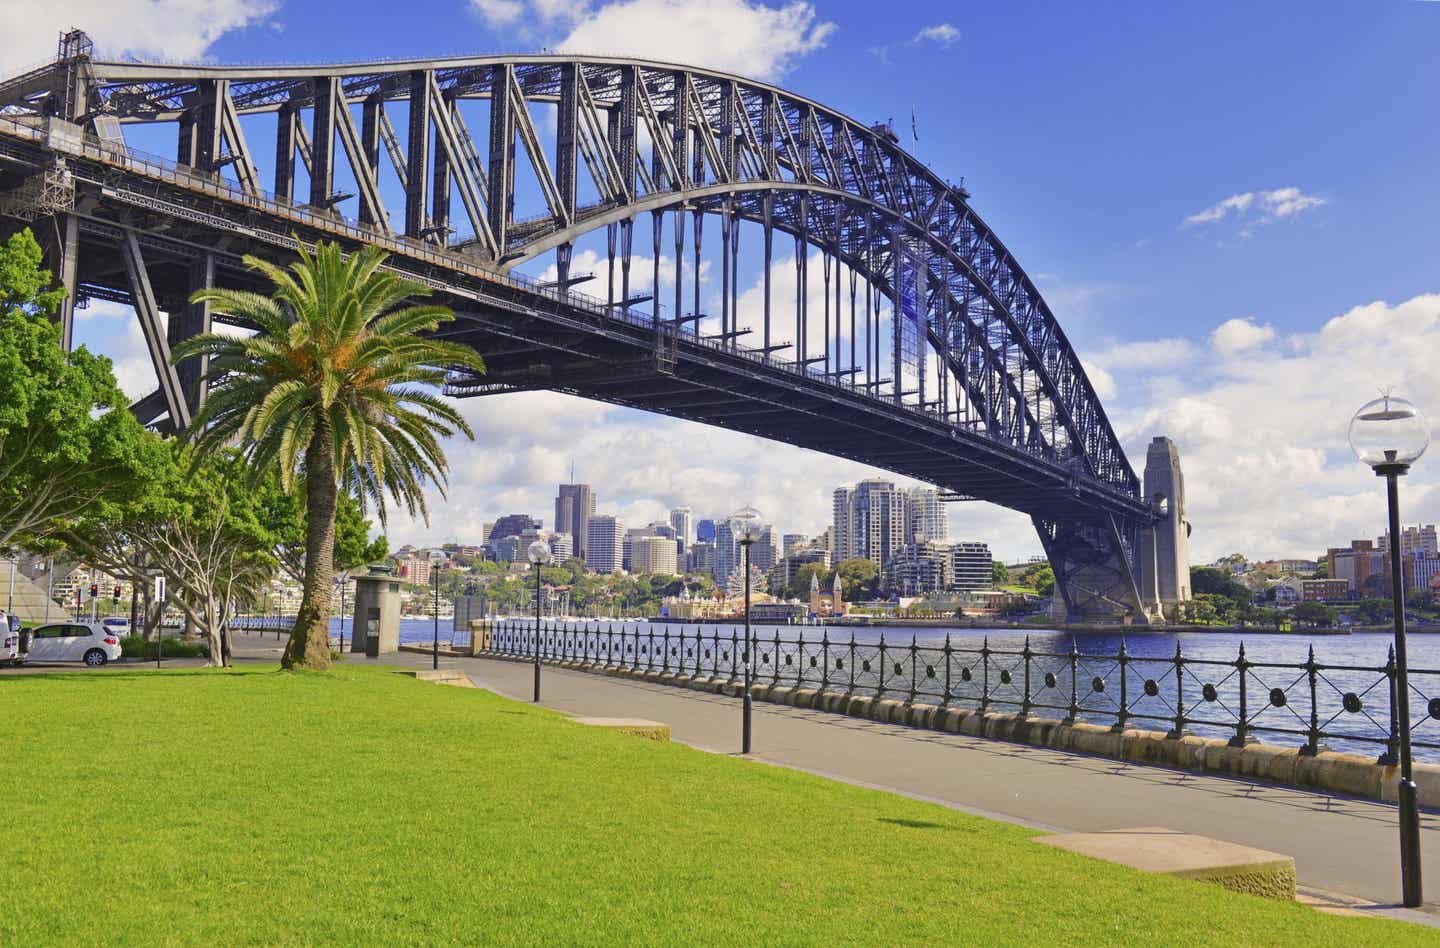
[309, 645]
[211, 629]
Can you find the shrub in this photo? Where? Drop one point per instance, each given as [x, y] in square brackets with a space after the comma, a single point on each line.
[133, 646]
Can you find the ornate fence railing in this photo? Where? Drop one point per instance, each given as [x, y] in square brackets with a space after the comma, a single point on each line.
[1316, 704]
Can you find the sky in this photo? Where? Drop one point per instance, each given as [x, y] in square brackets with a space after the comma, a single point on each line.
[1232, 208]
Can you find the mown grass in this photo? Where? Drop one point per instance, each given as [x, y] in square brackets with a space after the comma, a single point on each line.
[221, 807]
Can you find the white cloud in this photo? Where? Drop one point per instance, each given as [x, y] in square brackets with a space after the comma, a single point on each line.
[1237, 335]
[943, 33]
[1147, 354]
[1261, 428]
[169, 29]
[1257, 207]
[741, 36]
[498, 12]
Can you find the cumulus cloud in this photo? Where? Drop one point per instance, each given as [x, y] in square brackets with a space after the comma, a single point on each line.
[167, 29]
[749, 37]
[1257, 207]
[1237, 335]
[1261, 428]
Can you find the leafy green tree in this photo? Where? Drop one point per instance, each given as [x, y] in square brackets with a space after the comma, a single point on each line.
[200, 523]
[999, 573]
[1315, 614]
[1375, 611]
[338, 391]
[67, 440]
[1208, 579]
[800, 586]
[859, 578]
[1043, 580]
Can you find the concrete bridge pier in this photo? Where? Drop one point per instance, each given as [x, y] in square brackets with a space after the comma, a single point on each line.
[1165, 542]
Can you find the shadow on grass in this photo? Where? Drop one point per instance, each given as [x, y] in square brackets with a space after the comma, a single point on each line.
[913, 824]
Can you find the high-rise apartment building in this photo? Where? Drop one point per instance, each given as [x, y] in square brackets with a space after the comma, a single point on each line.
[1413, 540]
[700, 558]
[840, 524]
[971, 566]
[605, 542]
[684, 524]
[727, 552]
[765, 551]
[562, 547]
[574, 506]
[705, 531]
[791, 542]
[925, 515]
[653, 555]
[512, 525]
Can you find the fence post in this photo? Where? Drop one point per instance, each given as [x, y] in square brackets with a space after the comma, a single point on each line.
[1178, 731]
[824, 659]
[946, 700]
[1074, 713]
[852, 658]
[914, 652]
[609, 644]
[1242, 727]
[1025, 699]
[665, 658]
[985, 674]
[1391, 758]
[649, 648]
[880, 689]
[800, 660]
[1124, 660]
[775, 679]
[734, 652]
[1312, 738]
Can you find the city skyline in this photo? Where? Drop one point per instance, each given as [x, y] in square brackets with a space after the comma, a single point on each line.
[1126, 246]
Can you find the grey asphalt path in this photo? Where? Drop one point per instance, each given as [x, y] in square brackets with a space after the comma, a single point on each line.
[1341, 845]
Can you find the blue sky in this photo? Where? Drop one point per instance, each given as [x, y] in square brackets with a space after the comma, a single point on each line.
[1232, 208]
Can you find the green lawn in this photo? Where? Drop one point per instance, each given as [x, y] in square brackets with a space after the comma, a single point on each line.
[362, 806]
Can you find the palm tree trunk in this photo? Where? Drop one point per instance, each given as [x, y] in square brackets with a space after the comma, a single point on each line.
[309, 645]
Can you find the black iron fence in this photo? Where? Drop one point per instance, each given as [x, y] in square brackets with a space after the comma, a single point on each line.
[1319, 705]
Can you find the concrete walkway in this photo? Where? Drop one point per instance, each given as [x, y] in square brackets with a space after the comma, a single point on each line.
[1343, 846]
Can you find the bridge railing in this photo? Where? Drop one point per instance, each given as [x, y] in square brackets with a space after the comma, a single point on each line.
[1317, 705]
[157, 168]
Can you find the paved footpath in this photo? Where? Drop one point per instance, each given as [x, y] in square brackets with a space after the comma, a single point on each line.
[1341, 845]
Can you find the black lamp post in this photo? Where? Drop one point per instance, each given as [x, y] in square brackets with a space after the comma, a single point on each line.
[539, 554]
[1389, 434]
[436, 557]
[745, 527]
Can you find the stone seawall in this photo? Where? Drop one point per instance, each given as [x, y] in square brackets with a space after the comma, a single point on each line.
[1340, 773]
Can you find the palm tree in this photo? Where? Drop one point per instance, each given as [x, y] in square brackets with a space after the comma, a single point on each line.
[339, 390]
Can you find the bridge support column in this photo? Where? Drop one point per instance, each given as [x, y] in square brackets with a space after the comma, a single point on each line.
[193, 320]
[66, 258]
[1165, 544]
[1095, 575]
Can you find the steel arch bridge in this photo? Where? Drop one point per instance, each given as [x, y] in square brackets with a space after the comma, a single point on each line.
[929, 351]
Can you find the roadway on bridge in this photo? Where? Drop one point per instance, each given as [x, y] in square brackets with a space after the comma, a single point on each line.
[1340, 844]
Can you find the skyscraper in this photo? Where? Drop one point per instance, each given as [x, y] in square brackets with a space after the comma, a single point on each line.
[705, 531]
[605, 543]
[512, 525]
[877, 521]
[574, 506]
[684, 525]
[925, 515]
[727, 551]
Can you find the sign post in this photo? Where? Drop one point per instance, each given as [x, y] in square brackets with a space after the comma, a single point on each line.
[160, 628]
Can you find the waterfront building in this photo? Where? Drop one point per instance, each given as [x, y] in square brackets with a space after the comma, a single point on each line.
[1324, 590]
[791, 542]
[918, 568]
[509, 550]
[727, 551]
[605, 543]
[765, 552]
[574, 506]
[972, 567]
[791, 564]
[653, 555]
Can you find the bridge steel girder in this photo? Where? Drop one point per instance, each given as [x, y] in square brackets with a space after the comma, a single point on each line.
[716, 143]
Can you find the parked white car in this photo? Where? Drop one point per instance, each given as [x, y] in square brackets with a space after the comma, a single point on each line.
[88, 642]
[9, 639]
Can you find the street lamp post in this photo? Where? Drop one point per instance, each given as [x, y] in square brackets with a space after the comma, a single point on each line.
[435, 557]
[538, 554]
[745, 527]
[1389, 434]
